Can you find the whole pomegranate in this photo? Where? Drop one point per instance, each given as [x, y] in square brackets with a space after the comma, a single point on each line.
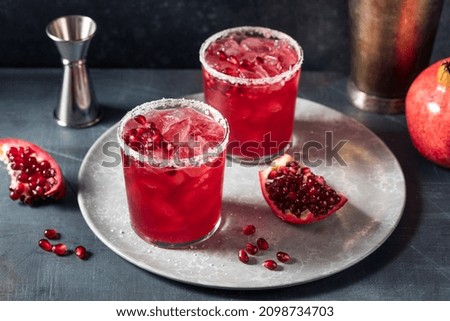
[427, 109]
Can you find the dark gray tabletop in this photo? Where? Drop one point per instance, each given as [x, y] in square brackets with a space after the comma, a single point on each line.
[413, 264]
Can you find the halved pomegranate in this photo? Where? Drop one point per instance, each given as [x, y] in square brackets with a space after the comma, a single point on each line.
[35, 175]
[295, 194]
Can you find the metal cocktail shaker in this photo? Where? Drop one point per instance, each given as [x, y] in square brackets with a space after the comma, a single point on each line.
[391, 42]
[77, 106]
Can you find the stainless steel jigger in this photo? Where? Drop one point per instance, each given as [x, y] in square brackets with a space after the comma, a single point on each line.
[77, 106]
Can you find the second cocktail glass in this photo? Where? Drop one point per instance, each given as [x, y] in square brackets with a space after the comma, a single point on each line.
[251, 75]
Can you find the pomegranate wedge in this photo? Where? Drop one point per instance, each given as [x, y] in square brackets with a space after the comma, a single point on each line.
[296, 195]
[35, 175]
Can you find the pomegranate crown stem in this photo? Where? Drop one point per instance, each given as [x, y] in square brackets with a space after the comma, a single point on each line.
[443, 74]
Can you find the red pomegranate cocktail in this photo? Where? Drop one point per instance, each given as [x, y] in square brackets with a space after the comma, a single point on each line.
[173, 163]
[251, 75]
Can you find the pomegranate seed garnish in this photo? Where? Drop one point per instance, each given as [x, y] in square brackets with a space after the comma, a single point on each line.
[45, 245]
[60, 249]
[249, 229]
[262, 244]
[233, 60]
[222, 55]
[283, 257]
[251, 248]
[51, 234]
[270, 264]
[80, 251]
[243, 257]
[146, 138]
[140, 119]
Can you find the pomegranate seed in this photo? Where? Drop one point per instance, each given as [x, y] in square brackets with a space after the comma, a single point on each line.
[270, 264]
[140, 119]
[233, 60]
[51, 234]
[273, 174]
[251, 248]
[60, 249]
[43, 165]
[16, 193]
[246, 64]
[283, 257]
[229, 71]
[45, 245]
[243, 257]
[262, 244]
[80, 251]
[22, 177]
[50, 172]
[249, 229]
[222, 55]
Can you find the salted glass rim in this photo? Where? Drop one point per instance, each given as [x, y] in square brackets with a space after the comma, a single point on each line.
[174, 103]
[266, 33]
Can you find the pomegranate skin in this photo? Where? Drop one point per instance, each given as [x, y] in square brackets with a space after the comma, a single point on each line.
[427, 111]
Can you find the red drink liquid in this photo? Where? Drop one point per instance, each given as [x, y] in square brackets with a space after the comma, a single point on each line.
[174, 189]
[251, 76]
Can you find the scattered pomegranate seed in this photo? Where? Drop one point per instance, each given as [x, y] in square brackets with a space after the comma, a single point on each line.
[270, 264]
[262, 244]
[249, 229]
[45, 245]
[283, 257]
[60, 249]
[243, 257]
[251, 248]
[80, 251]
[51, 234]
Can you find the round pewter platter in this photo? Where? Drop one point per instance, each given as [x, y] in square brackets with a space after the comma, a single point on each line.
[363, 169]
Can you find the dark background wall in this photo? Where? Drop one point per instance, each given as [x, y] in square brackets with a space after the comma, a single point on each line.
[168, 33]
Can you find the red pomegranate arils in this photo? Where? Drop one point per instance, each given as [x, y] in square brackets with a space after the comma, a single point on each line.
[80, 251]
[243, 256]
[51, 234]
[262, 244]
[45, 245]
[251, 248]
[140, 119]
[249, 229]
[270, 264]
[60, 249]
[35, 175]
[283, 257]
[145, 138]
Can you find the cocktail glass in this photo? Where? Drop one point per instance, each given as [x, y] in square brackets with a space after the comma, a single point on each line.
[251, 75]
[173, 153]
